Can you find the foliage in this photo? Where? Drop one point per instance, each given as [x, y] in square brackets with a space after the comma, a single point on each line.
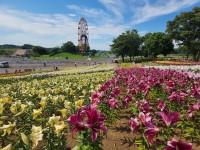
[69, 47]
[27, 46]
[157, 43]
[185, 30]
[55, 51]
[126, 44]
[9, 46]
[40, 50]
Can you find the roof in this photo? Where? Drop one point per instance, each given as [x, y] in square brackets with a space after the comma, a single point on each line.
[21, 52]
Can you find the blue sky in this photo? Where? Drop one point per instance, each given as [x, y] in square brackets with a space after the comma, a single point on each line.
[51, 23]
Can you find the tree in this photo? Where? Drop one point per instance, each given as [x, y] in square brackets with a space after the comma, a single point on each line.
[27, 46]
[133, 42]
[55, 51]
[157, 43]
[118, 47]
[69, 47]
[40, 50]
[185, 29]
[126, 44]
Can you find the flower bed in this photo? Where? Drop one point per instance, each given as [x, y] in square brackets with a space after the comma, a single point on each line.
[165, 108]
[177, 63]
[164, 104]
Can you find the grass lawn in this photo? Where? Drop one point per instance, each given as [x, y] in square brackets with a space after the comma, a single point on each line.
[70, 56]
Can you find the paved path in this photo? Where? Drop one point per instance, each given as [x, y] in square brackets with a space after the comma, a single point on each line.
[21, 64]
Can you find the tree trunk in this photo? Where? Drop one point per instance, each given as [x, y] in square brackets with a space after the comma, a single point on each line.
[122, 58]
[130, 58]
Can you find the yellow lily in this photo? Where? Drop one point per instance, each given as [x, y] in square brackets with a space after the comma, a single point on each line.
[59, 127]
[7, 128]
[64, 112]
[1, 108]
[37, 112]
[36, 135]
[8, 147]
[79, 103]
[53, 120]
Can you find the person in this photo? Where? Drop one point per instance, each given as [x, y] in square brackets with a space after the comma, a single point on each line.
[6, 71]
[45, 64]
[75, 65]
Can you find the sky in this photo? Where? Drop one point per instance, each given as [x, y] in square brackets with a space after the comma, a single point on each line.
[50, 23]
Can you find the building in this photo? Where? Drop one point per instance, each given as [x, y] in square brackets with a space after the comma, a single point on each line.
[22, 53]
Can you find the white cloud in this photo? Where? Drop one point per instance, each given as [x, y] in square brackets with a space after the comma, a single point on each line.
[20, 27]
[49, 30]
[117, 7]
[150, 10]
[72, 15]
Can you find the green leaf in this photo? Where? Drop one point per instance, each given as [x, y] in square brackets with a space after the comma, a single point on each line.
[142, 147]
[161, 147]
[81, 147]
[76, 147]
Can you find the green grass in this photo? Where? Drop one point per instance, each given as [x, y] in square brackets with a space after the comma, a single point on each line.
[70, 56]
[63, 56]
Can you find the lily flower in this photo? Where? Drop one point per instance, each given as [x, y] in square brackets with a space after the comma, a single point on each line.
[134, 124]
[7, 128]
[1, 108]
[88, 117]
[169, 117]
[161, 104]
[113, 103]
[37, 112]
[64, 112]
[53, 120]
[175, 145]
[127, 100]
[95, 121]
[79, 103]
[8, 147]
[145, 117]
[36, 135]
[151, 131]
[59, 127]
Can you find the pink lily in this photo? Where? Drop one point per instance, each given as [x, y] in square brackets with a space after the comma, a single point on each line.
[134, 124]
[151, 131]
[112, 103]
[161, 104]
[145, 117]
[169, 117]
[175, 145]
[88, 117]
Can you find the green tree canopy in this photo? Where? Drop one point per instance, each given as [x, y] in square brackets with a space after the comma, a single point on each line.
[27, 46]
[126, 44]
[185, 29]
[157, 43]
[69, 47]
[40, 50]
